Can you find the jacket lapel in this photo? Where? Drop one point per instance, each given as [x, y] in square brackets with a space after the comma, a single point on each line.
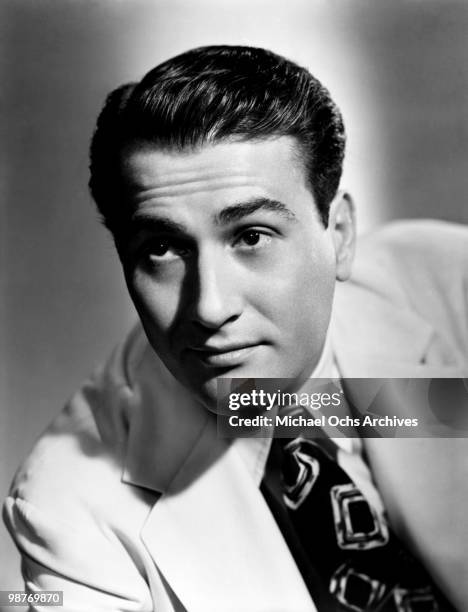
[210, 533]
[214, 540]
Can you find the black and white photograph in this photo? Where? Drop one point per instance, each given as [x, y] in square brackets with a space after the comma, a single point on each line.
[234, 306]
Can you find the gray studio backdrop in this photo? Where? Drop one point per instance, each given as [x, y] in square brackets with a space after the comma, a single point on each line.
[398, 69]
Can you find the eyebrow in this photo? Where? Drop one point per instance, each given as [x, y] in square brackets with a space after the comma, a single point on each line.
[235, 212]
[141, 222]
[230, 214]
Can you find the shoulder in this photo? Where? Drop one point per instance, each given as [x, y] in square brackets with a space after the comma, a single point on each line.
[75, 522]
[409, 257]
[418, 267]
[423, 242]
[74, 469]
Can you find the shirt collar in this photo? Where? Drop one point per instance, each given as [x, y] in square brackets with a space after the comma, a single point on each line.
[254, 451]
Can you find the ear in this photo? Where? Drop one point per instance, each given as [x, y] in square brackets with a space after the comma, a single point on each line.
[342, 228]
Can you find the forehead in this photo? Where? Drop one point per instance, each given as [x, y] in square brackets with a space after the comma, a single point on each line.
[270, 167]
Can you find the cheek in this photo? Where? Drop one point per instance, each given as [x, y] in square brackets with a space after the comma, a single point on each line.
[310, 306]
[298, 298]
[157, 305]
[317, 288]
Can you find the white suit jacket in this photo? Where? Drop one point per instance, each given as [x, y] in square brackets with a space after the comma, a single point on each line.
[130, 501]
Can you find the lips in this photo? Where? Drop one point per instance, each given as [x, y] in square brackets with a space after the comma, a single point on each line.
[228, 355]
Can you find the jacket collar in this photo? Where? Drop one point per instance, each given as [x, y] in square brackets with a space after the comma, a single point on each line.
[165, 423]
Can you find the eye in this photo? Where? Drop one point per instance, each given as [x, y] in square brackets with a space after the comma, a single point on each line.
[162, 250]
[253, 238]
[159, 248]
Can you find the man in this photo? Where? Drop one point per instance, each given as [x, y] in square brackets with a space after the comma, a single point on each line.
[218, 177]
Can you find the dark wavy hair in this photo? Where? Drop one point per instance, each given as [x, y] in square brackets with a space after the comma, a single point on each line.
[213, 93]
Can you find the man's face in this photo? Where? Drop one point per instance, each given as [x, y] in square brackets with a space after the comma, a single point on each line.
[226, 259]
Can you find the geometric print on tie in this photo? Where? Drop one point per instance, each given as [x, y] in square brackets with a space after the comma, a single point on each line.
[357, 524]
[351, 546]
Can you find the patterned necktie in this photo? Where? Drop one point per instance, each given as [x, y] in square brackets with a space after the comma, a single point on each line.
[348, 555]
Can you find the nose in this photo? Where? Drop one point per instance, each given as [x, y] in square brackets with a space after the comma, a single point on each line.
[217, 297]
